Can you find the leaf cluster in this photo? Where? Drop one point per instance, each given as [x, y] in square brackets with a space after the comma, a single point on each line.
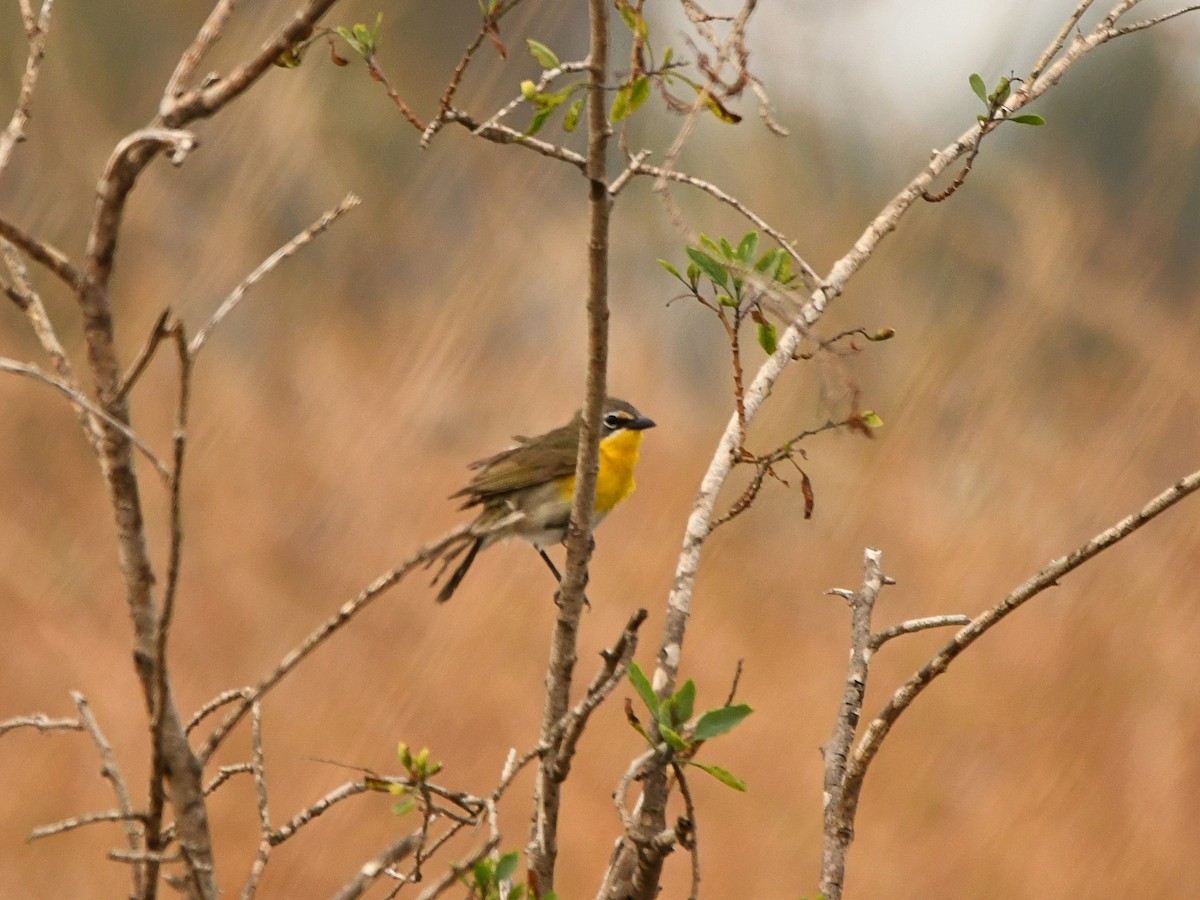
[673, 719]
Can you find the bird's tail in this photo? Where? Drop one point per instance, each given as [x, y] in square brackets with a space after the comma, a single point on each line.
[451, 585]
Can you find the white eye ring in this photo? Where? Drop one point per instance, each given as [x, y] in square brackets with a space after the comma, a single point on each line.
[613, 421]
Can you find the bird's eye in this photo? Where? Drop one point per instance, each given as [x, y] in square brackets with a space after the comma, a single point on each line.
[613, 421]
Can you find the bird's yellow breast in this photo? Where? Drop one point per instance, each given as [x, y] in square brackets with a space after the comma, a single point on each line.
[614, 481]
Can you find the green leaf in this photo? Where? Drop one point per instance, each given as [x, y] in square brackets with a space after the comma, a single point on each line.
[403, 807]
[620, 105]
[1028, 120]
[483, 872]
[552, 100]
[726, 300]
[685, 700]
[635, 22]
[709, 266]
[870, 418]
[546, 57]
[716, 722]
[628, 15]
[571, 119]
[978, 87]
[666, 713]
[638, 93]
[727, 249]
[507, 865]
[768, 337]
[722, 775]
[883, 334]
[768, 260]
[1000, 94]
[641, 684]
[670, 268]
[747, 247]
[674, 741]
[668, 55]
[538, 121]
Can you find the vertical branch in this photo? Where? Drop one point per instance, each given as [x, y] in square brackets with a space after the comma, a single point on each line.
[840, 806]
[543, 843]
[36, 32]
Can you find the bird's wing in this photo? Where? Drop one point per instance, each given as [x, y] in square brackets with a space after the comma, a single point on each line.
[533, 461]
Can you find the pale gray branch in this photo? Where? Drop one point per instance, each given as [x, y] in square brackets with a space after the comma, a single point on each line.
[31, 371]
[36, 32]
[235, 297]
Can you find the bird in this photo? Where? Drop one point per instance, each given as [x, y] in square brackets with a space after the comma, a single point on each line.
[526, 490]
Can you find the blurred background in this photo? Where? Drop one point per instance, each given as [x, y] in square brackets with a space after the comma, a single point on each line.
[1042, 385]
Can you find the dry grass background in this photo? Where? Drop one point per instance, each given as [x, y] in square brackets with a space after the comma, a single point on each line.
[1042, 384]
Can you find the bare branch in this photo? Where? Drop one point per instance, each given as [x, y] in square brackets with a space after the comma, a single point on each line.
[640, 168]
[41, 722]
[1156, 20]
[502, 134]
[371, 870]
[216, 703]
[335, 622]
[44, 253]
[302, 818]
[456, 871]
[110, 815]
[488, 27]
[31, 371]
[157, 333]
[840, 803]
[31, 304]
[543, 829]
[868, 747]
[616, 664]
[36, 32]
[206, 100]
[110, 770]
[210, 32]
[235, 297]
[879, 638]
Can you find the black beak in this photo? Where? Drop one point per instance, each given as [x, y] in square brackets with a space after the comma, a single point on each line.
[639, 424]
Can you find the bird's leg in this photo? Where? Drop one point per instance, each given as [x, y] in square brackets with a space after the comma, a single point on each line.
[558, 575]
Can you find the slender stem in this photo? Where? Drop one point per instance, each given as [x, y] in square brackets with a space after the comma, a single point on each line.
[543, 842]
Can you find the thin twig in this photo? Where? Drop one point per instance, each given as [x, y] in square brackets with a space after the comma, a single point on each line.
[502, 134]
[616, 664]
[31, 371]
[1050, 576]
[306, 815]
[457, 870]
[235, 297]
[111, 771]
[490, 25]
[692, 841]
[36, 33]
[1156, 20]
[372, 869]
[638, 167]
[40, 722]
[44, 253]
[110, 815]
[30, 302]
[222, 699]
[209, 33]
[879, 638]
[331, 625]
[157, 332]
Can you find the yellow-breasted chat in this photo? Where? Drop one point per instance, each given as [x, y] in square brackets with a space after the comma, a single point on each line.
[526, 490]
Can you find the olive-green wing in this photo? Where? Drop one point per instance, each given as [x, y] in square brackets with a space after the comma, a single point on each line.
[533, 461]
